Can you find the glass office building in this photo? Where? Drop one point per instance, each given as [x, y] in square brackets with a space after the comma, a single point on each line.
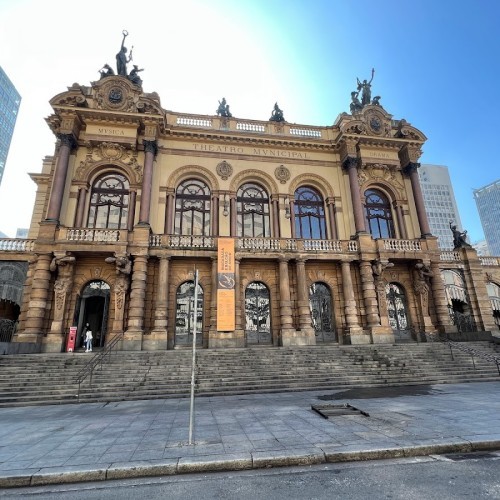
[9, 107]
[488, 205]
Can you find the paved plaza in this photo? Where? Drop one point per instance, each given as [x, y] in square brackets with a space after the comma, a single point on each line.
[68, 443]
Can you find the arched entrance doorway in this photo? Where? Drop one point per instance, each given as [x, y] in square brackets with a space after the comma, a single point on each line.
[458, 300]
[92, 308]
[320, 304]
[257, 314]
[398, 312]
[184, 315]
[12, 278]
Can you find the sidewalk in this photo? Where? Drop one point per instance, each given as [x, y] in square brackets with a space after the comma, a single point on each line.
[88, 442]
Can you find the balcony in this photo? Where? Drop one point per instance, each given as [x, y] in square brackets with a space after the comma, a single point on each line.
[255, 245]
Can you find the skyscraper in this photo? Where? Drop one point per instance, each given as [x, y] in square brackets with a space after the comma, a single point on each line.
[440, 204]
[9, 107]
[488, 205]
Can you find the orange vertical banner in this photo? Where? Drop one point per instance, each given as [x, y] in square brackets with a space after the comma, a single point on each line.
[225, 285]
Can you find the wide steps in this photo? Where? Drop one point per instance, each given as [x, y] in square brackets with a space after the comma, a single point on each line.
[50, 379]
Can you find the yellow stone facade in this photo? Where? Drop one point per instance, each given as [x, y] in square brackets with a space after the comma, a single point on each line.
[141, 265]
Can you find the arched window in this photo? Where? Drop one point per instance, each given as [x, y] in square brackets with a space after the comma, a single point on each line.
[397, 310]
[458, 301]
[320, 304]
[379, 215]
[252, 211]
[257, 314]
[192, 208]
[184, 314]
[109, 202]
[309, 212]
[494, 295]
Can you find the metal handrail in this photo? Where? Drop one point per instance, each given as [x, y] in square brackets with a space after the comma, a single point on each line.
[97, 360]
[469, 350]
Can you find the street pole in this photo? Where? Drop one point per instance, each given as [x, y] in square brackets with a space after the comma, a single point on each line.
[193, 364]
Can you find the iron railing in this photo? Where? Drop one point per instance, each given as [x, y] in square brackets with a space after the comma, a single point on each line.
[97, 361]
[7, 328]
[478, 353]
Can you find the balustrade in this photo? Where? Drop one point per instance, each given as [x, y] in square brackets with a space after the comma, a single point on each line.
[194, 122]
[403, 245]
[449, 257]
[306, 132]
[489, 261]
[99, 235]
[250, 127]
[16, 245]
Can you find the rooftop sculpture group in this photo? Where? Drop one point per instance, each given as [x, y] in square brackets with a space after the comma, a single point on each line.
[121, 65]
[459, 238]
[365, 88]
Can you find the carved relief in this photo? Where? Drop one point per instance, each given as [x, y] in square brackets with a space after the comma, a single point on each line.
[380, 173]
[61, 288]
[116, 94]
[224, 170]
[107, 152]
[282, 174]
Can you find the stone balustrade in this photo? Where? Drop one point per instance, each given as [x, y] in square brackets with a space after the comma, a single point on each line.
[251, 126]
[93, 235]
[449, 257]
[16, 245]
[489, 261]
[402, 245]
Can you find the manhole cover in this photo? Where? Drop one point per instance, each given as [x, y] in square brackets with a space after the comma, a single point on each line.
[331, 411]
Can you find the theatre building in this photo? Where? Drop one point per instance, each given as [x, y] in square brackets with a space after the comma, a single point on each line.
[299, 235]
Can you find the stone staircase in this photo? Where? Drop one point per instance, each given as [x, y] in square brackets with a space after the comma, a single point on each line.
[40, 379]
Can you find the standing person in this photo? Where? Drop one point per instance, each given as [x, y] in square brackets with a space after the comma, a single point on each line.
[88, 339]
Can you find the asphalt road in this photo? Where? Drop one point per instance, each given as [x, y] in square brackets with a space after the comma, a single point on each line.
[436, 477]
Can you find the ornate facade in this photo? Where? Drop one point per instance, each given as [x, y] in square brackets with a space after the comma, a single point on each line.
[331, 239]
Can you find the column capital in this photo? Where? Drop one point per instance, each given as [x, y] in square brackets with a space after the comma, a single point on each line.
[150, 147]
[350, 162]
[68, 140]
[411, 167]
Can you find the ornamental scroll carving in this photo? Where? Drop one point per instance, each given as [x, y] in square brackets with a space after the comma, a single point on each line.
[224, 170]
[282, 174]
[109, 152]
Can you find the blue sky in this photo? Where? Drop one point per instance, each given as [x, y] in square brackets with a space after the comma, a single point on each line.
[436, 64]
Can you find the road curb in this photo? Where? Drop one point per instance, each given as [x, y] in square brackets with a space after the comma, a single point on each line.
[228, 462]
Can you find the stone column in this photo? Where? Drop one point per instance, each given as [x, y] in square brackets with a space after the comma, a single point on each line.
[370, 299]
[150, 150]
[307, 335]
[351, 311]
[158, 338]
[215, 215]
[80, 207]
[64, 264]
[444, 322]
[132, 340]
[401, 223]
[411, 171]
[287, 331]
[351, 165]
[232, 215]
[331, 216]
[275, 217]
[169, 217]
[37, 308]
[68, 142]
[292, 219]
[122, 283]
[131, 210]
